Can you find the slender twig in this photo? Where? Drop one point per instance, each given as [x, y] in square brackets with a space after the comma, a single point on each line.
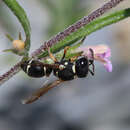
[60, 36]
[73, 28]
[6, 76]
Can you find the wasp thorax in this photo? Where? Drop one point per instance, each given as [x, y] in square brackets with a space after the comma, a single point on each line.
[66, 73]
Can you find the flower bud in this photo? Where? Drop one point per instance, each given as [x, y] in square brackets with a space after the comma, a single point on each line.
[18, 45]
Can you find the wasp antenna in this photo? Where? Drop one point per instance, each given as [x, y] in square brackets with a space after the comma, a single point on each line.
[91, 62]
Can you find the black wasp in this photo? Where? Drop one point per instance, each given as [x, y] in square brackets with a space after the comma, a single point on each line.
[65, 70]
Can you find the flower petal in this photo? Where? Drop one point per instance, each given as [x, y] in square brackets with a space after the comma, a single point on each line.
[101, 53]
[108, 65]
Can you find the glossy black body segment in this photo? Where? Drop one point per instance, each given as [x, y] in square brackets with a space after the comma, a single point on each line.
[69, 71]
[64, 69]
[66, 73]
[82, 67]
[35, 69]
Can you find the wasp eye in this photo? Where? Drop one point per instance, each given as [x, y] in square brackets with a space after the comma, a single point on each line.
[81, 67]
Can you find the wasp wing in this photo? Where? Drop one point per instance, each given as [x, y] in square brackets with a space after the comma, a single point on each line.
[35, 96]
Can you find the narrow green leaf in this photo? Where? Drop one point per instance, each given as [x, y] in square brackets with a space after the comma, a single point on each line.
[70, 52]
[22, 17]
[89, 28]
[9, 37]
[57, 49]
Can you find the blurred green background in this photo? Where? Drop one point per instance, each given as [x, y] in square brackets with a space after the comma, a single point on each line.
[93, 103]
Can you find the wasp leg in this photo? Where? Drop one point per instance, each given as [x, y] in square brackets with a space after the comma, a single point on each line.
[91, 62]
[65, 51]
[51, 55]
[40, 92]
[92, 72]
[74, 58]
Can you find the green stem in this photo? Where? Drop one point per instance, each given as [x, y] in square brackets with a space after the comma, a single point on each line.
[88, 29]
[22, 17]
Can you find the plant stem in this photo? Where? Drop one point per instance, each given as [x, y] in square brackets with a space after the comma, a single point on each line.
[59, 37]
[6, 76]
[73, 28]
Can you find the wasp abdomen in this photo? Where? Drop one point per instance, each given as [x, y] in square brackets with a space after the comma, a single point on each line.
[35, 69]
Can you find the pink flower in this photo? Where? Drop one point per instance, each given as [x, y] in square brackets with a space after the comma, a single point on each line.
[102, 53]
